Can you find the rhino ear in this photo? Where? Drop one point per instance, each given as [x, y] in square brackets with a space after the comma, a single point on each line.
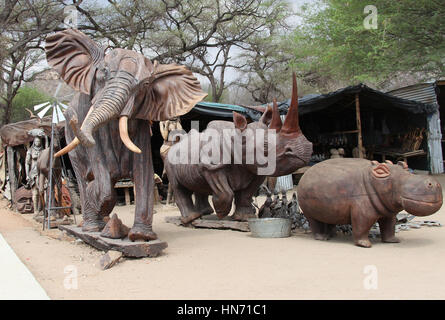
[75, 58]
[239, 121]
[267, 116]
[381, 170]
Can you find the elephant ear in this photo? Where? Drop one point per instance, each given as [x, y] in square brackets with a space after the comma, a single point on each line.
[75, 57]
[171, 91]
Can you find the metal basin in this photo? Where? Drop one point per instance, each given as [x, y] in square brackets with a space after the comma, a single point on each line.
[270, 227]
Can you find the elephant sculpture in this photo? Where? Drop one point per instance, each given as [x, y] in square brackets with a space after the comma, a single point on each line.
[119, 94]
[229, 181]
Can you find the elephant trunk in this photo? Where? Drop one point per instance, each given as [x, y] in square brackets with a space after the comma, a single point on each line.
[109, 106]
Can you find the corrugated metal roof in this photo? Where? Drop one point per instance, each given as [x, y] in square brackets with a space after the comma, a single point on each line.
[422, 92]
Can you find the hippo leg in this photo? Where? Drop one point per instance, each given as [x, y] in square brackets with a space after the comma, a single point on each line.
[387, 229]
[202, 204]
[183, 198]
[361, 224]
[319, 229]
[331, 230]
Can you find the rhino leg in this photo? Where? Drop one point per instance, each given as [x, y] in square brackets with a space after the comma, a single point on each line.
[202, 204]
[222, 192]
[388, 229]
[243, 200]
[361, 224]
[183, 198]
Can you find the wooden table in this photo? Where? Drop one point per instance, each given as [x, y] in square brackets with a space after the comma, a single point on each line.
[398, 154]
[126, 185]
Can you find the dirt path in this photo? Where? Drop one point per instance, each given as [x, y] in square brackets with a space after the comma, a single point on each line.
[215, 264]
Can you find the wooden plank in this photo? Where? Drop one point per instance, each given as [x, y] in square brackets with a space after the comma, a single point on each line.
[54, 223]
[400, 154]
[128, 248]
[359, 125]
[212, 222]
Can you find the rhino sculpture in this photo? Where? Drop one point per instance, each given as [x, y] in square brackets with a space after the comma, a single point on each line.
[362, 192]
[286, 150]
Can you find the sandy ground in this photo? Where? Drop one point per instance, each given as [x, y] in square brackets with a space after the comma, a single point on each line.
[222, 264]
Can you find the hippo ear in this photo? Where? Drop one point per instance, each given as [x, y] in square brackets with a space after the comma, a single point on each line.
[388, 162]
[239, 121]
[381, 171]
[403, 164]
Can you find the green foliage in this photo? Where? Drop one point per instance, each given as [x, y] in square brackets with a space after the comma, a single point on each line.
[333, 41]
[26, 97]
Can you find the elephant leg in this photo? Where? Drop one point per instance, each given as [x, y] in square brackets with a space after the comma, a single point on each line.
[143, 189]
[243, 200]
[202, 204]
[99, 199]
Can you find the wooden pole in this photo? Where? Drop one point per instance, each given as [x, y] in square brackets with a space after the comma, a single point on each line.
[11, 173]
[359, 126]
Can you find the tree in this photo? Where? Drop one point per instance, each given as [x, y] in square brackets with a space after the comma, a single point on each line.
[26, 98]
[24, 23]
[333, 42]
[266, 73]
[198, 33]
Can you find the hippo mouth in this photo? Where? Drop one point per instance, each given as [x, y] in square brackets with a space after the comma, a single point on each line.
[421, 208]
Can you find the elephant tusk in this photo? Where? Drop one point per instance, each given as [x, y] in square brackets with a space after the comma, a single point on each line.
[123, 131]
[68, 148]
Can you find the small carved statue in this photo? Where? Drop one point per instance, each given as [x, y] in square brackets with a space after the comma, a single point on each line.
[264, 211]
[32, 175]
[166, 127]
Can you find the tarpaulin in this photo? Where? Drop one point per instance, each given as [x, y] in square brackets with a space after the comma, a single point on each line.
[15, 134]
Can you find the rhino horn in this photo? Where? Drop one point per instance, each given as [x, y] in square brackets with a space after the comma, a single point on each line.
[275, 123]
[291, 125]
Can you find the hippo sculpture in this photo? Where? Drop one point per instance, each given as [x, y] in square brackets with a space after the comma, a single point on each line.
[362, 192]
[230, 181]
